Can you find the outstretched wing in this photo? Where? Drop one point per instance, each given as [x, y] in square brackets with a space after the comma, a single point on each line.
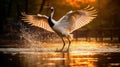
[37, 20]
[74, 20]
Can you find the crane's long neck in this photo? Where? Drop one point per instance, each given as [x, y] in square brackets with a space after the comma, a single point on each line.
[50, 20]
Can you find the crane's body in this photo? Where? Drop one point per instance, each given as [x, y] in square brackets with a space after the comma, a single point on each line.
[72, 21]
[60, 30]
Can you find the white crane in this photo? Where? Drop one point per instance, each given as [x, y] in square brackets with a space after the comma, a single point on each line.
[70, 22]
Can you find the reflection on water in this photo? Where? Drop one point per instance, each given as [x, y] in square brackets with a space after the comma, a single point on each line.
[80, 55]
[59, 59]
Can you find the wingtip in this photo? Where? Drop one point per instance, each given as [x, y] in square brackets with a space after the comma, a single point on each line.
[39, 15]
[88, 6]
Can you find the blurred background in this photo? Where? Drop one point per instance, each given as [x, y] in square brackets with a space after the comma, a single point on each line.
[106, 25]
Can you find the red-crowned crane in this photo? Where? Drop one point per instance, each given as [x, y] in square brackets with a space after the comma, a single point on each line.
[70, 22]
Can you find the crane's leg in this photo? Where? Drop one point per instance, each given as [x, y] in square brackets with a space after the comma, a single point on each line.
[63, 43]
[69, 43]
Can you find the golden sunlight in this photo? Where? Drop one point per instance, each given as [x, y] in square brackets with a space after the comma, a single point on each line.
[76, 3]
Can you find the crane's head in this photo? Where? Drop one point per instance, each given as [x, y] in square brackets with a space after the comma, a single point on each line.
[51, 8]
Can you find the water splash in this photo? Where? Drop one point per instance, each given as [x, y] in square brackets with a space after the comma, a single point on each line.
[36, 37]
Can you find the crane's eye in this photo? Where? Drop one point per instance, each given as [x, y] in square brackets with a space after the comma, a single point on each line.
[51, 9]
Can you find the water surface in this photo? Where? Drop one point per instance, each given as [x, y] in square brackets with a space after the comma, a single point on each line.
[80, 55]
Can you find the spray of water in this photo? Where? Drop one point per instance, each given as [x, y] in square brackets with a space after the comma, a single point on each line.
[35, 37]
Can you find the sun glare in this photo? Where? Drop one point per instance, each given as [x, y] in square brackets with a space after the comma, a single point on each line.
[76, 3]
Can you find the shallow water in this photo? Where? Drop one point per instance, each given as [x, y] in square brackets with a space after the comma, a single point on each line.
[81, 54]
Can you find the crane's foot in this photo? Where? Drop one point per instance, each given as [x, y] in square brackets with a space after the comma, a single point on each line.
[61, 50]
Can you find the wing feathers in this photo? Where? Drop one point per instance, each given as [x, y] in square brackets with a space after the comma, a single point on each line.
[37, 20]
[78, 18]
